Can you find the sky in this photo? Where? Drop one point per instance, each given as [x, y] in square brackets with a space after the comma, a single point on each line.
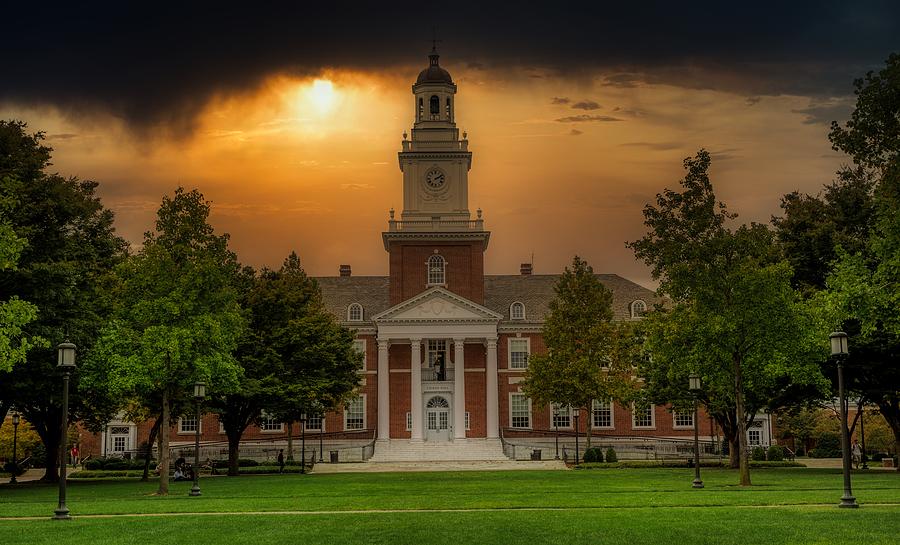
[288, 117]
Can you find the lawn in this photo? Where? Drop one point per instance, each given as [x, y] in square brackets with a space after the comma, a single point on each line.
[599, 506]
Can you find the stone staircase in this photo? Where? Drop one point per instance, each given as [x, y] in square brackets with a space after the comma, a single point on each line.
[404, 450]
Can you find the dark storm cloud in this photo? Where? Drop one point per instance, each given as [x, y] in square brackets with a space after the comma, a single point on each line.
[560, 100]
[586, 105]
[587, 118]
[156, 66]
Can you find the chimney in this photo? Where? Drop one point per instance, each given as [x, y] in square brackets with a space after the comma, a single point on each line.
[345, 270]
[525, 269]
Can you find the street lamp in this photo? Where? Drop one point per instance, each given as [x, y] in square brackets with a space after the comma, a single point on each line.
[199, 395]
[15, 468]
[65, 362]
[303, 442]
[556, 425]
[694, 386]
[839, 352]
[575, 412]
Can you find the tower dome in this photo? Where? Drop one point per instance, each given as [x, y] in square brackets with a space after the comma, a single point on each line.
[434, 73]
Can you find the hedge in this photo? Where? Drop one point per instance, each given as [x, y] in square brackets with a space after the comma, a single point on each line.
[640, 464]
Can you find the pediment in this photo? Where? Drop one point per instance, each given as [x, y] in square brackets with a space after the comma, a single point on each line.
[437, 305]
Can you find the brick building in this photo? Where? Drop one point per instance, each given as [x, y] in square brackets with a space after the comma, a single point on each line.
[445, 345]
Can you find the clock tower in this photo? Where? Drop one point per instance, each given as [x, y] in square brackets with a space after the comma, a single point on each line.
[435, 220]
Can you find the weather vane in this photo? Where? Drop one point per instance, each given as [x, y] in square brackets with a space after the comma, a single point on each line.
[434, 40]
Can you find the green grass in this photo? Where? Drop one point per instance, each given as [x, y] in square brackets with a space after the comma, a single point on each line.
[600, 506]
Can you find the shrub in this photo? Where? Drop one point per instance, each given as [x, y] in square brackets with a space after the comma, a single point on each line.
[593, 454]
[800, 451]
[775, 453]
[758, 454]
[246, 462]
[828, 445]
[611, 455]
[94, 464]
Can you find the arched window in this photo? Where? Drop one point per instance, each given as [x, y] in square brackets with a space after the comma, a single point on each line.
[436, 270]
[638, 308]
[435, 105]
[517, 311]
[437, 402]
[355, 313]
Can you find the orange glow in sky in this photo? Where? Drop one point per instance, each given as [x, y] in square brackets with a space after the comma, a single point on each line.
[310, 164]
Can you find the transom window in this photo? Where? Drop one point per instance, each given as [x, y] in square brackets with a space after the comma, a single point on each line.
[602, 413]
[437, 402]
[187, 424]
[437, 268]
[355, 414]
[642, 416]
[684, 419]
[359, 345]
[561, 416]
[519, 411]
[517, 311]
[355, 313]
[638, 308]
[518, 353]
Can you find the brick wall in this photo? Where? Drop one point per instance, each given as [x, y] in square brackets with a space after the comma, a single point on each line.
[465, 269]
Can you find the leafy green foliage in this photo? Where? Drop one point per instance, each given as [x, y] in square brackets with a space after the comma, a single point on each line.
[775, 453]
[588, 356]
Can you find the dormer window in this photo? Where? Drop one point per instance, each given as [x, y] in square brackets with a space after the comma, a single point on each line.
[517, 311]
[638, 308]
[437, 270]
[355, 313]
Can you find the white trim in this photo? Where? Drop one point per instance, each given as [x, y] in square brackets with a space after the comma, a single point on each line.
[530, 412]
[509, 352]
[652, 425]
[364, 351]
[428, 282]
[612, 415]
[677, 426]
[191, 432]
[364, 409]
[634, 304]
[321, 427]
[262, 418]
[513, 305]
[569, 412]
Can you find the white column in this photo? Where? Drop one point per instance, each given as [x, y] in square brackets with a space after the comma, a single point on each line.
[384, 391]
[415, 400]
[459, 389]
[492, 403]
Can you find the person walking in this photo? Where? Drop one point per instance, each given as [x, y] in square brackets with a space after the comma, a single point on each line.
[856, 453]
[281, 461]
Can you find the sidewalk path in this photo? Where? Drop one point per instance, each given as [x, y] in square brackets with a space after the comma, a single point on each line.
[381, 467]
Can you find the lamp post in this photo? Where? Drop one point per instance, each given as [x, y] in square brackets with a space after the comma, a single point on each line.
[694, 386]
[556, 425]
[199, 395]
[839, 352]
[303, 442]
[65, 362]
[15, 469]
[575, 413]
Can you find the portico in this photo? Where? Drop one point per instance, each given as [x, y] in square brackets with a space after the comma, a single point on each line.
[430, 323]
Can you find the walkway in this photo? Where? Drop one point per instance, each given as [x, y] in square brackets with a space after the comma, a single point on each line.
[490, 465]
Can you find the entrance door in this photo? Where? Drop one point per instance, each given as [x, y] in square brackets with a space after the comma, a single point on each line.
[437, 419]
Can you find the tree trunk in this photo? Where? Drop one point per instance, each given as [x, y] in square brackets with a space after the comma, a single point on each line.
[733, 458]
[728, 426]
[290, 441]
[164, 446]
[234, 441]
[889, 407]
[154, 431]
[47, 422]
[743, 458]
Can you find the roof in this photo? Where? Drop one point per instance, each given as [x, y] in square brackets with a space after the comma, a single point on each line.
[434, 73]
[535, 291]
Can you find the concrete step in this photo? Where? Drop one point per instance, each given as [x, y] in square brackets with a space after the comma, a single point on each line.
[404, 450]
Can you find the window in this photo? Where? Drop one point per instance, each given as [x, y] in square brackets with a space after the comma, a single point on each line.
[355, 414]
[408, 421]
[561, 416]
[421, 108]
[467, 421]
[270, 424]
[517, 311]
[436, 356]
[434, 105]
[359, 346]
[221, 427]
[436, 270]
[642, 416]
[119, 443]
[187, 424]
[638, 308]
[518, 353]
[684, 419]
[448, 108]
[754, 437]
[355, 313]
[519, 411]
[602, 414]
[314, 422]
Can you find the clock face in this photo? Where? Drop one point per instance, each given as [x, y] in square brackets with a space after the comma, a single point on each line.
[435, 179]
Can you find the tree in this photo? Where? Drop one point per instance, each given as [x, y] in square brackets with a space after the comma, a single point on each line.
[733, 318]
[70, 244]
[588, 357]
[294, 355]
[177, 318]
